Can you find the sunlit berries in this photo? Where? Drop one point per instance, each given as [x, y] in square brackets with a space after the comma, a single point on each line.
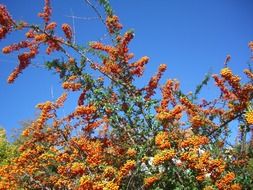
[249, 117]
[67, 31]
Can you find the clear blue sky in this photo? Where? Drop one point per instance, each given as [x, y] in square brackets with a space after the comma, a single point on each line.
[190, 36]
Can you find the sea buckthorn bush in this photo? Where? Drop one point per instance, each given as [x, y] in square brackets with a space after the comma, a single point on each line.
[120, 136]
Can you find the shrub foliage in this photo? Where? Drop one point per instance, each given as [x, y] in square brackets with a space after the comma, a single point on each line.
[120, 136]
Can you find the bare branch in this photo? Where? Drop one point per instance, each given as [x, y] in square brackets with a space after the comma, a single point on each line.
[96, 11]
[74, 28]
[81, 18]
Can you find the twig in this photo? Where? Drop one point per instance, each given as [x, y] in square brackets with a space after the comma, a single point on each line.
[73, 26]
[96, 11]
[82, 18]
[225, 123]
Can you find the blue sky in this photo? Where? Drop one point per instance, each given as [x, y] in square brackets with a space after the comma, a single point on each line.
[191, 36]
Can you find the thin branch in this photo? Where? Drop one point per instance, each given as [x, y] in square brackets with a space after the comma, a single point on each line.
[73, 26]
[82, 18]
[96, 11]
[225, 123]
